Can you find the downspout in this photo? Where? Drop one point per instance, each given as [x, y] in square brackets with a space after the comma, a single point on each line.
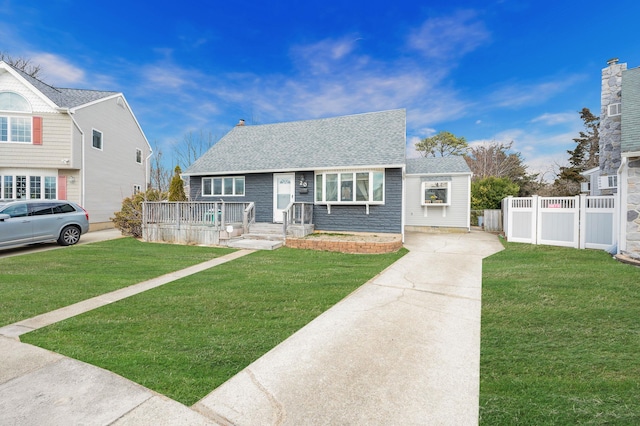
[147, 170]
[404, 201]
[621, 219]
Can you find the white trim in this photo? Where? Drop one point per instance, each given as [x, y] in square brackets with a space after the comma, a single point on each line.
[297, 169]
[14, 73]
[93, 129]
[616, 108]
[278, 213]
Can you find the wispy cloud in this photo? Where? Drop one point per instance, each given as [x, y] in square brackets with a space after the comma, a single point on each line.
[58, 71]
[450, 36]
[517, 95]
[554, 119]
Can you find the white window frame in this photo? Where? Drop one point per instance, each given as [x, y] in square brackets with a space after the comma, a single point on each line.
[10, 137]
[138, 156]
[430, 190]
[93, 132]
[615, 109]
[235, 181]
[137, 189]
[320, 196]
[30, 185]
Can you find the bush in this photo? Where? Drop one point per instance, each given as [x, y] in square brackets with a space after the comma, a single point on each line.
[487, 193]
[129, 219]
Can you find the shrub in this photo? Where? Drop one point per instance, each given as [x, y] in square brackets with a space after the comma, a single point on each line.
[129, 219]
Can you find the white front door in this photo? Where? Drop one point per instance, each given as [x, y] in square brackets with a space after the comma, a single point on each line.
[284, 185]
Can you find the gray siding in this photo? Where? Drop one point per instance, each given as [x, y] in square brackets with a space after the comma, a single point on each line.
[455, 215]
[381, 218]
[631, 110]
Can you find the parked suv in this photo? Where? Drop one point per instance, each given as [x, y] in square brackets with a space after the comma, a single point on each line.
[37, 221]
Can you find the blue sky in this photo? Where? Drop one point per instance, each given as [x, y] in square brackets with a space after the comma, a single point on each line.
[486, 70]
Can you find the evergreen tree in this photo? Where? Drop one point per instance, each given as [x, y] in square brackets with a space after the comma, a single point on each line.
[176, 187]
[443, 144]
[586, 153]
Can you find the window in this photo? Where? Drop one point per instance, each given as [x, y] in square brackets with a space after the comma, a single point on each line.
[138, 156]
[350, 187]
[615, 109]
[137, 189]
[232, 186]
[15, 129]
[97, 139]
[50, 187]
[7, 187]
[10, 101]
[34, 187]
[436, 192]
[21, 187]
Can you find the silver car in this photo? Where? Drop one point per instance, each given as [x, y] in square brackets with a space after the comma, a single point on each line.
[38, 221]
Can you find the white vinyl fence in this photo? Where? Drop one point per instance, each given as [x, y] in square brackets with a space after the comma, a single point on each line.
[580, 222]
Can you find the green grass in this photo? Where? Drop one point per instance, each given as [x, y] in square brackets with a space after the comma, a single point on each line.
[560, 338]
[36, 283]
[187, 337]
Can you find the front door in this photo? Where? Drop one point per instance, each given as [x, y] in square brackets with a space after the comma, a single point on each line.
[283, 193]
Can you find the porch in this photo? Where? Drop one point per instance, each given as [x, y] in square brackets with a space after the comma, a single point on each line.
[222, 224]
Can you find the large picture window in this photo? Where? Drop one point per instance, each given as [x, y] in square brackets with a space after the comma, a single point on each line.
[436, 193]
[227, 186]
[344, 187]
[15, 129]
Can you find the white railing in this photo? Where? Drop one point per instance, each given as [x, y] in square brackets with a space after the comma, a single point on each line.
[248, 217]
[581, 221]
[217, 214]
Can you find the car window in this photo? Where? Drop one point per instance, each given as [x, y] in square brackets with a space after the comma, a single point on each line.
[64, 208]
[39, 209]
[16, 210]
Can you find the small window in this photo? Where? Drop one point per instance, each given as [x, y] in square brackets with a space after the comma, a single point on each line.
[10, 101]
[615, 109]
[35, 187]
[228, 186]
[436, 193]
[50, 183]
[137, 189]
[97, 139]
[138, 156]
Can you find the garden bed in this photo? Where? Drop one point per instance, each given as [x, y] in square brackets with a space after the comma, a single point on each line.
[348, 243]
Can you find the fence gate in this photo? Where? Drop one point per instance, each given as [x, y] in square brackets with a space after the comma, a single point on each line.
[580, 222]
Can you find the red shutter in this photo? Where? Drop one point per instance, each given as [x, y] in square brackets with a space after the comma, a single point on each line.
[37, 130]
[62, 187]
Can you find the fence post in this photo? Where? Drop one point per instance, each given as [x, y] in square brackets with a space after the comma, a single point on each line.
[536, 217]
[582, 220]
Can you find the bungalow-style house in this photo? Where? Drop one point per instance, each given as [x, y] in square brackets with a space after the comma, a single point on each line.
[444, 188]
[351, 169]
[82, 145]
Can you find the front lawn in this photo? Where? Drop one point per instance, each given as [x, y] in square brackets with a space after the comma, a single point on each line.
[187, 337]
[560, 338]
[36, 283]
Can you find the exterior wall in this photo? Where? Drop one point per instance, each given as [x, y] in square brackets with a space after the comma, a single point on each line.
[631, 110]
[111, 173]
[632, 226]
[610, 127]
[454, 216]
[381, 218]
[259, 189]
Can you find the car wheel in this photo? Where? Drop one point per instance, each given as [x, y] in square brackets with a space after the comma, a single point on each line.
[69, 236]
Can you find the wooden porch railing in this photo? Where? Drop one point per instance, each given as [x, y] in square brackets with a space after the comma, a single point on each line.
[218, 214]
[248, 217]
[297, 214]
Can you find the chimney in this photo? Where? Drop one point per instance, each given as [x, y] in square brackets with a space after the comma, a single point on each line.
[612, 61]
[240, 123]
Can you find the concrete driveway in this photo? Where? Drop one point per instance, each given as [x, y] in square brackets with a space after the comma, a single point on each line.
[404, 349]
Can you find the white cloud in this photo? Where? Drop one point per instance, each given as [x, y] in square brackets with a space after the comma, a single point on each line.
[57, 71]
[558, 118]
[451, 36]
[517, 95]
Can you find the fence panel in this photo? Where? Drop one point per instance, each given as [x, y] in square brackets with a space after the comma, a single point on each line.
[580, 222]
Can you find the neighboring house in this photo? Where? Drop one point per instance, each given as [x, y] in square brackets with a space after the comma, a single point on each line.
[591, 184]
[619, 171]
[82, 145]
[349, 168]
[438, 193]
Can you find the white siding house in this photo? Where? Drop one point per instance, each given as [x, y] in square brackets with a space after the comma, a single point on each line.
[82, 145]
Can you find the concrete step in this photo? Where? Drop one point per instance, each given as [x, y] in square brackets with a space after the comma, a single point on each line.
[265, 228]
[254, 244]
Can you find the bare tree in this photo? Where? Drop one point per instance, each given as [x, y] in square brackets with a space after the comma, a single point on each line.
[192, 147]
[495, 159]
[160, 174]
[22, 64]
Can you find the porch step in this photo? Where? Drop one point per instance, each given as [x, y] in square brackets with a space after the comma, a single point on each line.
[255, 244]
[266, 229]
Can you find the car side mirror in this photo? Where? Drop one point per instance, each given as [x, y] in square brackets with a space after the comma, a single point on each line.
[4, 216]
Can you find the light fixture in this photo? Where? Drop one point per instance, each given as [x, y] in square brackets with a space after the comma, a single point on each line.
[72, 179]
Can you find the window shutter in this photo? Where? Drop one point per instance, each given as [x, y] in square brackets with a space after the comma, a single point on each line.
[62, 188]
[37, 130]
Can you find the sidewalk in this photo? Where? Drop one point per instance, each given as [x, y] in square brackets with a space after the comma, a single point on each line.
[403, 349]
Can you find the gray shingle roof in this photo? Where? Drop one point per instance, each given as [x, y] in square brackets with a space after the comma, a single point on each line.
[65, 98]
[439, 165]
[371, 139]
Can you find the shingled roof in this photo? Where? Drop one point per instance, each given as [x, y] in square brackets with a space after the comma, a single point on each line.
[65, 98]
[439, 165]
[375, 139]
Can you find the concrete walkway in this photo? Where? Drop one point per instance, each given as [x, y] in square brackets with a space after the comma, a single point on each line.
[402, 349]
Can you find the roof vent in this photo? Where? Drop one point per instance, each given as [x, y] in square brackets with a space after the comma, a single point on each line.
[241, 122]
